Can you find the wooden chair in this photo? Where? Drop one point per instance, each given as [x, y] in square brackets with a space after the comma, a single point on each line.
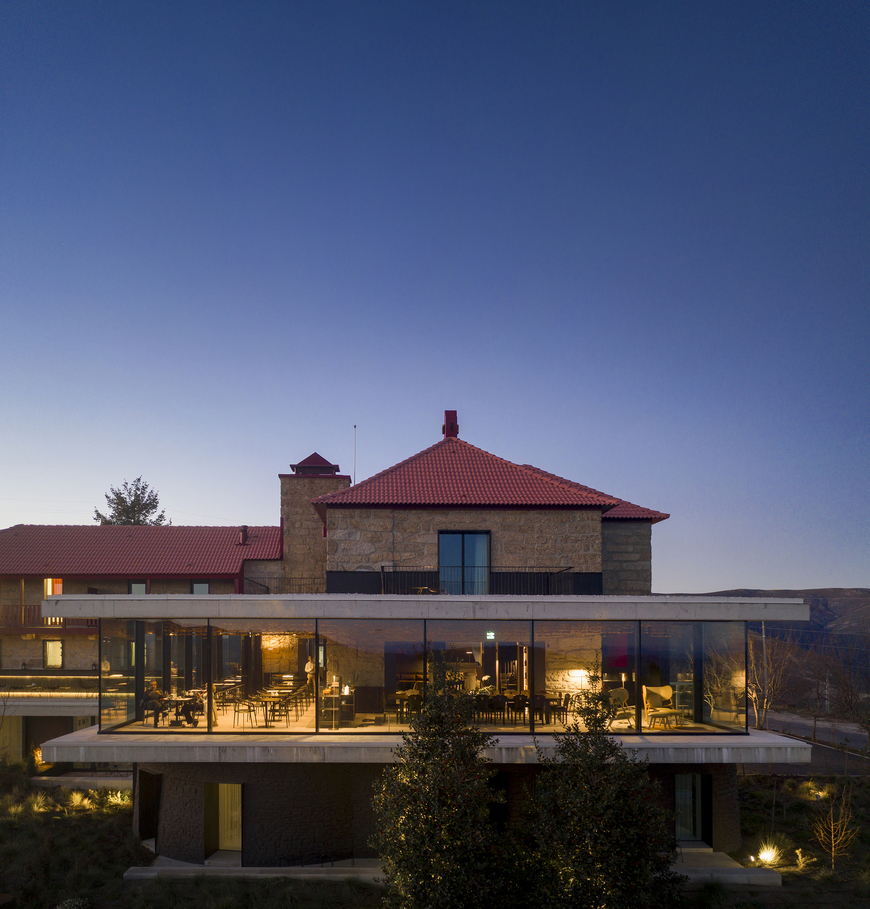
[619, 703]
[658, 703]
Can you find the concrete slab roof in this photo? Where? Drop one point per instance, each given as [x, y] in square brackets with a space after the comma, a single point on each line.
[491, 608]
[756, 747]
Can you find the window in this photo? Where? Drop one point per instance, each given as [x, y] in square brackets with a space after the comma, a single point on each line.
[137, 587]
[52, 587]
[463, 562]
[199, 587]
[52, 654]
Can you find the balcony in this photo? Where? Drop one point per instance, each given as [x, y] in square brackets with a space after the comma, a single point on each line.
[470, 581]
[30, 619]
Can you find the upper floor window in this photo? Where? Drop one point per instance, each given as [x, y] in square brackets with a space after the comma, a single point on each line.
[140, 588]
[199, 587]
[52, 587]
[463, 562]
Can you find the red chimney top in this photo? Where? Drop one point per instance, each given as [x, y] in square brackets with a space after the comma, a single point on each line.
[450, 427]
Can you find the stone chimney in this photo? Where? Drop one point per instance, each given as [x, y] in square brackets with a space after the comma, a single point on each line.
[304, 534]
[450, 429]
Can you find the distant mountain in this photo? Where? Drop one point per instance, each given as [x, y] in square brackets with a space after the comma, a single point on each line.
[834, 610]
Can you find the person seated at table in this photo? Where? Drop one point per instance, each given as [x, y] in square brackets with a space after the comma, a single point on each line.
[189, 708]
[155, 700]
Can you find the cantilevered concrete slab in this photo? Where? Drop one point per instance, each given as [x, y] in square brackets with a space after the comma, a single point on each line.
[86, 745]
[56, 703]
[362, 606]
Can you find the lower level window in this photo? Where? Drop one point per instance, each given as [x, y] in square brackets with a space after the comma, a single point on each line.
[52, 654]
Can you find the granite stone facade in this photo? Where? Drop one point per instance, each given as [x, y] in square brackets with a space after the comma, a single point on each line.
[360, 539]
[626, 557]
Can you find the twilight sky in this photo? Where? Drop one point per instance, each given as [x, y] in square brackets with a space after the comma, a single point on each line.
[628, 242]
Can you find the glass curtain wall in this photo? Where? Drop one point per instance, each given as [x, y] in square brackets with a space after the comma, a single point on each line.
[493, 660]
[565, 654]
[373, 674]
[263, 675]
[117, 678]
[286, 676]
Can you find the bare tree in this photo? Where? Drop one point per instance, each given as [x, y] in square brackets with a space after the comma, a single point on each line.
[834, 830]
[770, 664]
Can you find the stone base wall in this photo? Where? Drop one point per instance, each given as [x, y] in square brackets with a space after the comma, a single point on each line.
[626, 557]
[367, 538]
[293, 813]
[290, 813]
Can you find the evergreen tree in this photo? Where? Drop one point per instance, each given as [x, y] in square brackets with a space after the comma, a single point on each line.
[435, 837]
[598, 837]
[133, 503]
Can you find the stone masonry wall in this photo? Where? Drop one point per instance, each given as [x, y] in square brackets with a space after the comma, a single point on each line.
[366, 538]
[79, 651]
[291, 813]
[626, 557]
[304, 543]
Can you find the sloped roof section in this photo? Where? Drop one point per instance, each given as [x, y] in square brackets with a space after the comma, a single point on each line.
[132, 551]
[624, 511]
[453, 473]
[627, 511]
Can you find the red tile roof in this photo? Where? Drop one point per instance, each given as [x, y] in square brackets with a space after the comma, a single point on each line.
[453, 473]
[132, 551]
[624, 511]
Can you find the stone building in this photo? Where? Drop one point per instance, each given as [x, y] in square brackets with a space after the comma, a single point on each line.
[49, 666]
[309, 670]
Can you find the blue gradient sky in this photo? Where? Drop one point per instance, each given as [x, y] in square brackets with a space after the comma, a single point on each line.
[627, 242]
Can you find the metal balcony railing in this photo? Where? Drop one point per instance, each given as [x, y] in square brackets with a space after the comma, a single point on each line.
[31, 617]
[285, 585]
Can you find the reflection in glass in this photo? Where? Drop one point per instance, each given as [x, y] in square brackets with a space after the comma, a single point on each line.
[463, 560]
[724, 661]
[492, 660]
[565, 652]
[117, 683]
[263, 673]
[373, 673]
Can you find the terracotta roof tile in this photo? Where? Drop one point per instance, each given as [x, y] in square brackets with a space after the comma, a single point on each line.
[624, 511]
[132, 551]
[453, 473]
[627, 511]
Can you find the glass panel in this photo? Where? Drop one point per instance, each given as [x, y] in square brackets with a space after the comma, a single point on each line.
[670, 674]
[687, 806]
[476, 564]
[493, 660]
[373, 675]
[264, 675]
[152, 658]
[565, 652]
[117, 685]
[450, 562]
[724, 668]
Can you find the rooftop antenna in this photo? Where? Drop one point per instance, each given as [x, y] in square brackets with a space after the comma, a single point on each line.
[354, 454]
